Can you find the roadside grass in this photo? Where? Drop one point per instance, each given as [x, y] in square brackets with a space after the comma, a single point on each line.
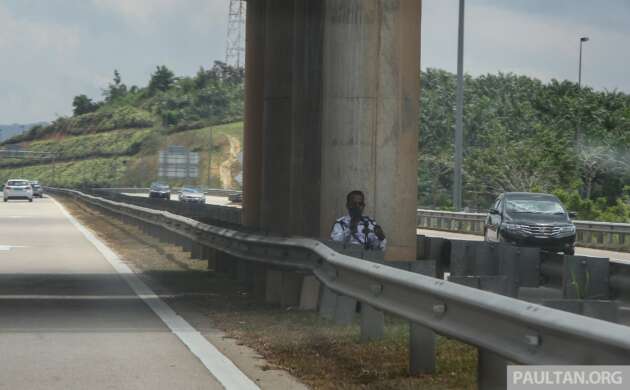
[314, 350]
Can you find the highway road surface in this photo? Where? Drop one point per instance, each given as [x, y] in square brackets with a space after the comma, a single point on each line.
[619, 257]
[73, 315]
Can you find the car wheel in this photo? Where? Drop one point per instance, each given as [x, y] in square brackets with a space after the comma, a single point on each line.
[569, 251]
[30, 200]
[6, 200]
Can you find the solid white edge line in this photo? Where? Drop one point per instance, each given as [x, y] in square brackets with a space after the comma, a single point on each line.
[222, 368]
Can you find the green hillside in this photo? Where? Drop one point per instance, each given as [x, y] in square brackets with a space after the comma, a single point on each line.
[116, 141]
[127, 157]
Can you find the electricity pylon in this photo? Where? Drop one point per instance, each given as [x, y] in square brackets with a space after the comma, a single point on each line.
[235, 47]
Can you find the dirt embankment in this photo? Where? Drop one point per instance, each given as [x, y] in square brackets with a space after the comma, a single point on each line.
[231, 166]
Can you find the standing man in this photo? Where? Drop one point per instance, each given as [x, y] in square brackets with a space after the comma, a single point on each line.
[355, 228]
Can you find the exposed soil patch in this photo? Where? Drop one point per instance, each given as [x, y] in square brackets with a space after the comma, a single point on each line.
[228, 168]
[319, 353]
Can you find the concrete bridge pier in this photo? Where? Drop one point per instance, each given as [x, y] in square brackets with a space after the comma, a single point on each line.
[332, 90]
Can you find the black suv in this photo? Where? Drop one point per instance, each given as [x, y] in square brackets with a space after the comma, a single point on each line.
[531, 219]
[160, 190]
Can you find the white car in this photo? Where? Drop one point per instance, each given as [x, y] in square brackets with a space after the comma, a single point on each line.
[18, 189]
[192, 195]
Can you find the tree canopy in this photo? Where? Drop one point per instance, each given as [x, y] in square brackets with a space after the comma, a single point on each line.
[522, 135]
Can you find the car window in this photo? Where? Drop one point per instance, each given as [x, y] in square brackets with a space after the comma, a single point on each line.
[17, 183]
[538, 206]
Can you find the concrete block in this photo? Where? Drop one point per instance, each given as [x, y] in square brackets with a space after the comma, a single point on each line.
[309, 296]
[600, 309]
[586, 277]
[463, 257]
[486, 259]
[424, 267]
[521, 264]
[421, 250]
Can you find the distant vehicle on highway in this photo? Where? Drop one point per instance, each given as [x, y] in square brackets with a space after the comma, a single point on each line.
[192, 195]
[160, 190]
[18, 189]
[236, 198]
[531, 219]
[38, 190]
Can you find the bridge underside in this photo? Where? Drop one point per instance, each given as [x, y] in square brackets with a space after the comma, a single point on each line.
[332, 90]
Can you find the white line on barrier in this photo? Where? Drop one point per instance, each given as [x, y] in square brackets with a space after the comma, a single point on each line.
[219, 366]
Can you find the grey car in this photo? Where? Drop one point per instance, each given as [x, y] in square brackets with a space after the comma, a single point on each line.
[531, 219]
[192, 195]
[38, 190]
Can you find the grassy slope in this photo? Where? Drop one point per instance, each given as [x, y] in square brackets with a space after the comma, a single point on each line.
[122, 157]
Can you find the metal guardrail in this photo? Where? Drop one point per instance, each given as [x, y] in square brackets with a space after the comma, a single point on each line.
[142, 190]
[604, 235]
[208, 213]
[519, 331]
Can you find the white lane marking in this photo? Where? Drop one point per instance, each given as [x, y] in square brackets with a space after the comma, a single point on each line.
[6, 248]
[219, 366]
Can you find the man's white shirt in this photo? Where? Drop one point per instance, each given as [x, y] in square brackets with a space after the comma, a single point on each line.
[364, 234]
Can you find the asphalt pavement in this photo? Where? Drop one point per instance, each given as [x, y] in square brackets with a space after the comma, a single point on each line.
[71, 318]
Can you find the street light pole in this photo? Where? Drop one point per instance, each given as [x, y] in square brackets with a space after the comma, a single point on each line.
[582, 40]
[577, 130]
[459, 114]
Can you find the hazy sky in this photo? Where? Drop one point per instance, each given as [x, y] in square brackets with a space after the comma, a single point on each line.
[52, 50]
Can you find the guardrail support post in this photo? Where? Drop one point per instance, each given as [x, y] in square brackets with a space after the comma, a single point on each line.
[372, 323]
[245, 273]
[196, 251]
[345, 310]
[226, 264]
[327, 303]
[291, 288]
[491, 368]
[209, 254]
[273, 286]
[187, 244]
[260, 280]
[422, 340]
